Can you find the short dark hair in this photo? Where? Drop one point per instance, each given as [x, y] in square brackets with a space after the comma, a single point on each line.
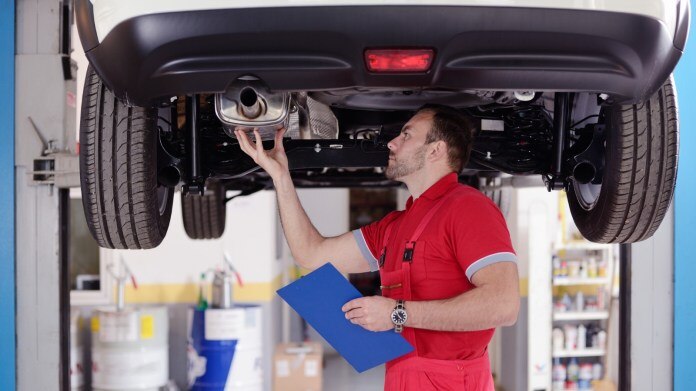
[453, 127]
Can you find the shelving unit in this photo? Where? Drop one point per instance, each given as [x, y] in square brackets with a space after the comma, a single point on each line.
[569, 281]
[574, 279]
[594, 352]
[580, 315]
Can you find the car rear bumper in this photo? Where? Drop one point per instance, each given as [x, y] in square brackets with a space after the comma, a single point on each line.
[152, 57]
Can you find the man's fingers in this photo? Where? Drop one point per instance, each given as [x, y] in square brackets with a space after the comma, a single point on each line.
[259, 143]
[244, 142]
[279, 138]
[356, 303]
[355, 313]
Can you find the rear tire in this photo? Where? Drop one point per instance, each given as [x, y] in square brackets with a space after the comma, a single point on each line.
[204, 215]
[124, 204]
[639, 175]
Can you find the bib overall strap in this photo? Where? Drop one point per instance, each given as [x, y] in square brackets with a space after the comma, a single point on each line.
[411, 244]
[387, 234]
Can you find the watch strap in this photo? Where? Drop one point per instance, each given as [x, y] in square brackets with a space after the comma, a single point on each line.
[399, 306]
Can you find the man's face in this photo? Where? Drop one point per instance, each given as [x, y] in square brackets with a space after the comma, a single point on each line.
[407, 150]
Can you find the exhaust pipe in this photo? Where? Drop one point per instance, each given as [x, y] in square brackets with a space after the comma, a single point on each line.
[250, 106]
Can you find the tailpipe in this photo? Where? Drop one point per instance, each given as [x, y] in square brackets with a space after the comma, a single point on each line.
[249, 104]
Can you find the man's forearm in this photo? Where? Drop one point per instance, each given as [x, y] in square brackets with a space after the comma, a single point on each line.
[299, 231]
[478, 309]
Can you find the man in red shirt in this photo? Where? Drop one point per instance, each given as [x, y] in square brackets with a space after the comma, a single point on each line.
[448, 270]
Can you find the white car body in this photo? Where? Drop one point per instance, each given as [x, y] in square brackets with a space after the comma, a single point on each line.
[109, 13]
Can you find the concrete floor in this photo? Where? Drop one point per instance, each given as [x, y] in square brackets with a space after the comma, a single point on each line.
[340, 376]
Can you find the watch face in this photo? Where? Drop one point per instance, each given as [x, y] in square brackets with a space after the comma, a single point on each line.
[399, 316]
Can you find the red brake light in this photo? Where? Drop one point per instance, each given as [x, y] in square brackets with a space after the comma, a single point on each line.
[399, 60]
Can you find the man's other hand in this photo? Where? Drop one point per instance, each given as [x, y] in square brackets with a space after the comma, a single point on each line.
[274, 161]
[372, 313]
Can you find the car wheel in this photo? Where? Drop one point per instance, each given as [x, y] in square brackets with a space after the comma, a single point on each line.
[639, 174]
[204, 215]
[124, 204]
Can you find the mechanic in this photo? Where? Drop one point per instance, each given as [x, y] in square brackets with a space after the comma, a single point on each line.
[448, 270]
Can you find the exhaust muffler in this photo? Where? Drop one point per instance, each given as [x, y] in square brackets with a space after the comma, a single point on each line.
[249, 104]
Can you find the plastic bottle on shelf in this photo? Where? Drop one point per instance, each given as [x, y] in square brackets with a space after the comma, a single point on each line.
[559, 375]
[585, 371]
[602, 339]
[582, 334]
[564, 268]
[591, 335]
[597, 371]
[202, 299]
[585, 377]
[602, 298]
[573, 370]
[571, 337]
[557, 339]
[583, 269]
[567, 303]
[580, 301]
[602, 268]
[592, 267]
[556, 266]
[574, 268]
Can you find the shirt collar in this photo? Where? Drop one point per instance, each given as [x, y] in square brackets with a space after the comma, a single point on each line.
[438, 189]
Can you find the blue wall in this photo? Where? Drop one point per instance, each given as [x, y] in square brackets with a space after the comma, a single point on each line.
[7, 203]
[684, 227]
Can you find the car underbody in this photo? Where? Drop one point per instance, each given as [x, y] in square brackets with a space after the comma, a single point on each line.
[549, 96]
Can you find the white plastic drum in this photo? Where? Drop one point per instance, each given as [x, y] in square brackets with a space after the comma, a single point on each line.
[246, 373]
[130, 349]
[77, 359]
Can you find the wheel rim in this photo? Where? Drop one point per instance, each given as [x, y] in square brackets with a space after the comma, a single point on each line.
[587, 194]
[162, 199]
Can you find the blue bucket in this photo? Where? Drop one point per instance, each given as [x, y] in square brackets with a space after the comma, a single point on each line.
[218, 355]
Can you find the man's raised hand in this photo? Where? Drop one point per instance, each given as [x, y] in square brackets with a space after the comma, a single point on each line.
[273, 161]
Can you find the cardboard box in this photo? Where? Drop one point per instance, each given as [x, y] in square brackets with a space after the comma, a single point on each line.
[298, 367]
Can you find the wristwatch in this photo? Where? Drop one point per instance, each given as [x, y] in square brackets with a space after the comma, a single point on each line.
[399, 316]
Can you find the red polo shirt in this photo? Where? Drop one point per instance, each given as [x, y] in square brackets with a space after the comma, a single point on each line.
[467, 234]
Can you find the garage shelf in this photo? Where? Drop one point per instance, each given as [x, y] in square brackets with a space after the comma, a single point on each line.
[582, 245]
[579, 353]
[581, 315]
[565, 281]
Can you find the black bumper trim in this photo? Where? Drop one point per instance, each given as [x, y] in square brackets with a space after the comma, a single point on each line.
[153, 57]
[84, 17]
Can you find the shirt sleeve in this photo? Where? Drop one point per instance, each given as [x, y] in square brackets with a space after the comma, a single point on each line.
[481, 236]
[370, 239]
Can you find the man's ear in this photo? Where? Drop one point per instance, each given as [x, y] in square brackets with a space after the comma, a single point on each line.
[438, 150]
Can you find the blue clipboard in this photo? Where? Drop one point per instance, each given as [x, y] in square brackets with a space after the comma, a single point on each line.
[318, 298]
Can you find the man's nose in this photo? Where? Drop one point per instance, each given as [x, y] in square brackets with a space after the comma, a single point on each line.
[391, 144]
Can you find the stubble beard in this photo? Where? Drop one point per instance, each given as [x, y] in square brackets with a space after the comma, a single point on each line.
[398, 169]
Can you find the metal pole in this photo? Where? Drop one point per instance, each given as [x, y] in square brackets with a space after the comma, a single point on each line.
[624, 317]
[193, 148]
[64, 287]
[8, 374]
[560, 127]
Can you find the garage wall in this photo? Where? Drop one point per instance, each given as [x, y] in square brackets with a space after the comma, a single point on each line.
[7, 227]
[170, 273]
